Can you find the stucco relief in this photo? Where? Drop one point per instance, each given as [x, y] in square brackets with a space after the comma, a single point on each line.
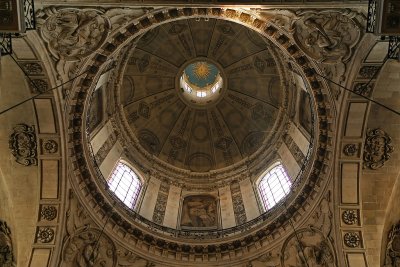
[392, 257]
[23, 144]
[309, 248]
[74, 34]
[6, 248]
[327, 36]
[89, 248]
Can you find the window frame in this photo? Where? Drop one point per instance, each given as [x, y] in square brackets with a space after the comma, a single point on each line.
[261, 197]
[134, 205]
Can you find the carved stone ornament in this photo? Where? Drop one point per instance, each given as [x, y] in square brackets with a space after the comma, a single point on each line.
[50, 146]
[350, 150]
[74, 34]
[87, 247]
[328, 36]
[392, 257]
[352, 239]
[377, 149]
[45, 235]
[6, 249]
[23, 144]
[48, 213]
[350, 217]
[313, 250]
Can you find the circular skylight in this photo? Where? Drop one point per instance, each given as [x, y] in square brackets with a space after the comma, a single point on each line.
[201, 82]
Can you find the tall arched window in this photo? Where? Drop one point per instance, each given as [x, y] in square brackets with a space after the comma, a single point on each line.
[125, 184]
[274, 186]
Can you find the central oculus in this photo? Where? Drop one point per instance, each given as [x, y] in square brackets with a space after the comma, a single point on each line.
[200, 83]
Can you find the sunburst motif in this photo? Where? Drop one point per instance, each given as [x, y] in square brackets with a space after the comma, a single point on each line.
[201, 70]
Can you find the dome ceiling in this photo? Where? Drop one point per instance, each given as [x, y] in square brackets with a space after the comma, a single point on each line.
[229, 127]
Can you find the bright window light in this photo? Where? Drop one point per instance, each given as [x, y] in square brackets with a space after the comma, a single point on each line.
[125, 184]
[274, 186]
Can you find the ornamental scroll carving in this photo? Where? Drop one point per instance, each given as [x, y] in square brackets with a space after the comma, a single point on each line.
[392, 257]
[74, 34]
[377, 149]
[6, 248]
[23, 144]
[328, 36]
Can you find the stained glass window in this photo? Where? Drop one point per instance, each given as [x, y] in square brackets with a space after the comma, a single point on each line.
[125, 184]
[274, 186]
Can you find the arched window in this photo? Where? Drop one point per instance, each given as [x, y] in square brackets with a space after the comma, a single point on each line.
[274, 186]
[125, 184]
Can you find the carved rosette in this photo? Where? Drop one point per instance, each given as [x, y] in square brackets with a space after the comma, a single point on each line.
[352, 239]
[50, 146]
[328, 36]
[377, 149]
[350, 150]
[73, 34]
[23, 144]
[6, 248]
[89, 247]
[48, 213]
[45, 235]
[393, 247]
[350, 217]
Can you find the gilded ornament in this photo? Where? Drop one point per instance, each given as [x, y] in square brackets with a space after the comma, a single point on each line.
[352, 239]
[377, 149]
[350, 217]
[23, 144]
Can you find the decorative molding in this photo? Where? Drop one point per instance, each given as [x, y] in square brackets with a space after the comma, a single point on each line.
[350, 217]
[6, 248]
[23, 144]
[392, 256]
[377, 149]
[352, 239]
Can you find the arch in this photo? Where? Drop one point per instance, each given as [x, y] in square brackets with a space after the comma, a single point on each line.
[125, 183]
[273, 185]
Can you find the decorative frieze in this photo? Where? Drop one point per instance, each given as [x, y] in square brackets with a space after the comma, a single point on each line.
[377, 149]
[23, 144]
